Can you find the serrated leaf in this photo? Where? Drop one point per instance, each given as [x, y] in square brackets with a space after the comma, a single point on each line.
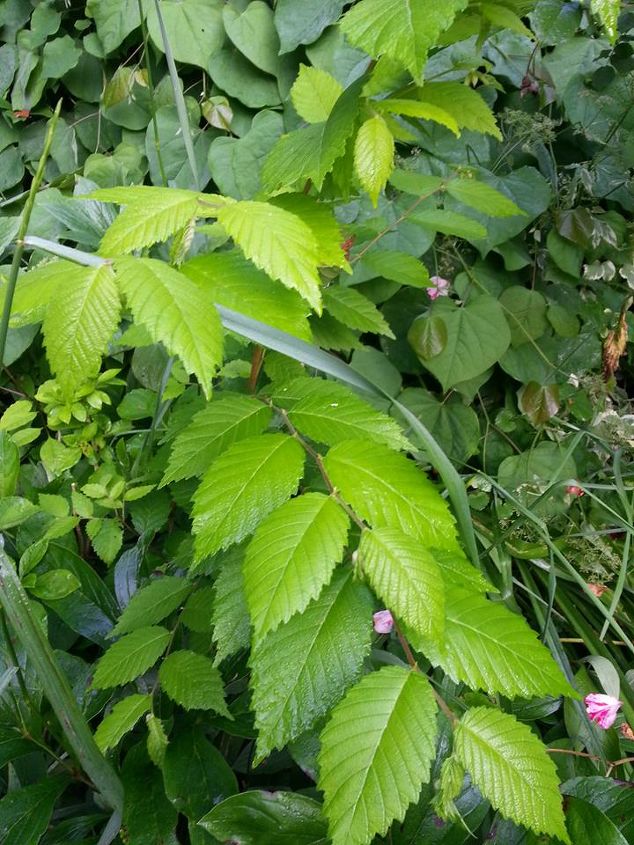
[404, 30]
[355, 310]
[465, 105]
[222, 423]
[406, 577]
[291, 557]
[421, 184]
[482, 197]
[148, 217]
[229, 611]
[398, 266]
[314, 94]
[130, 657]
[175, 312]
[424, 111]
[330, 413]
[458, 572]
[320, 219]
[192, 681]
[242, 486]
[157, 740]
[505, 18]
[311, 152]
[80, 320]
[106, 538]
[152, 604]
[323, 650]
[236, 283]
[278, 242]
[448, 223]
[389, 491]
[511, 768]
[376, 750]
[491, 648]
[121, 719]
[374, 156]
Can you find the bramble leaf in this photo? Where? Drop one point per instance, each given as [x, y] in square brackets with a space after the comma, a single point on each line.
[121, 719]
[192, 681]
[374, 156]
[152, 603]
[130, 657]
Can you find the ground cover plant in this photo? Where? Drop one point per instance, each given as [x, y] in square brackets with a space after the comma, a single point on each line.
[316, 494]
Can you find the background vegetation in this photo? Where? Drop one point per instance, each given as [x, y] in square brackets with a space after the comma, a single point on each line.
[360, 342]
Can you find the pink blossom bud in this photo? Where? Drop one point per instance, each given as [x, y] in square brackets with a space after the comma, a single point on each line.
[440, 287]
[383, 622]
[597, 589]
[602, 709]
[574, 490]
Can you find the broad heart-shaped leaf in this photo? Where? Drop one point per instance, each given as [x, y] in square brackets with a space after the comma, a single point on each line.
[491, 648]
[80, 320]
[194, 28]
[234, 282]
[404, 30]
[482, 197]
[257, 817]
[278, 242]
[253, 32]
[465, 105]
[152, 603]
[376, 751]
[221, 424]
[374, 156]
[241, 487]
[330, 413]
[449, 223]
[152, 215]
[355, 310]
[291, 557]
[310, 152]
[390, 491]
[192, 681]
[511, 768]
[130, 657]
[304, 667]
[175, 312]
[314, 94]
[477, 336]
[406, 577]
[121, 719]
[525, 313]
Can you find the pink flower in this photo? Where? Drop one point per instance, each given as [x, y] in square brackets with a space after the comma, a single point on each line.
[440, 287]
[574, 490]
[602, 709]
[597, 589]
[383, 622]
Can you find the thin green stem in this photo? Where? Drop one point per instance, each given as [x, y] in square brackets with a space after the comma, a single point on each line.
[24, 225]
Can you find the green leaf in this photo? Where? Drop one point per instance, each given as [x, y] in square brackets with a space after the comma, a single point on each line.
[428, 336]
[25, 812]
[311, 152]
[314, 94]
[538, 402]
[253, 32]
[175, 312]
[121, 719]
[505, 18]
[406, 577]
[418, 184]
[491, 648]
[278, 242]
[319, 217]
[355, 310]
[54, 585]
[130, 657]
[303, 21]
[157, 740]
[404, 30]
[374, 156]
[229, 611]
[148, 816]
[243, 485]
[59, 55]
[192, 681]
[376, 750]
[511, 768]
[464, 104]
[222, 423]
[114, 20]
[152, 604]
[477, 337]
[607, 11]
[587, 824]
[389, 491]
[525, 312]
[152, 215]
[257, 817]
[398, 266]
[331, 413]
[449, 223]
[234, 282]
[194, 29]
[482, 197]
[79, 322]
[424, 111]
[454, 425]
[292, 555]
[9, 465]
[106, 538]
[323, 650]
